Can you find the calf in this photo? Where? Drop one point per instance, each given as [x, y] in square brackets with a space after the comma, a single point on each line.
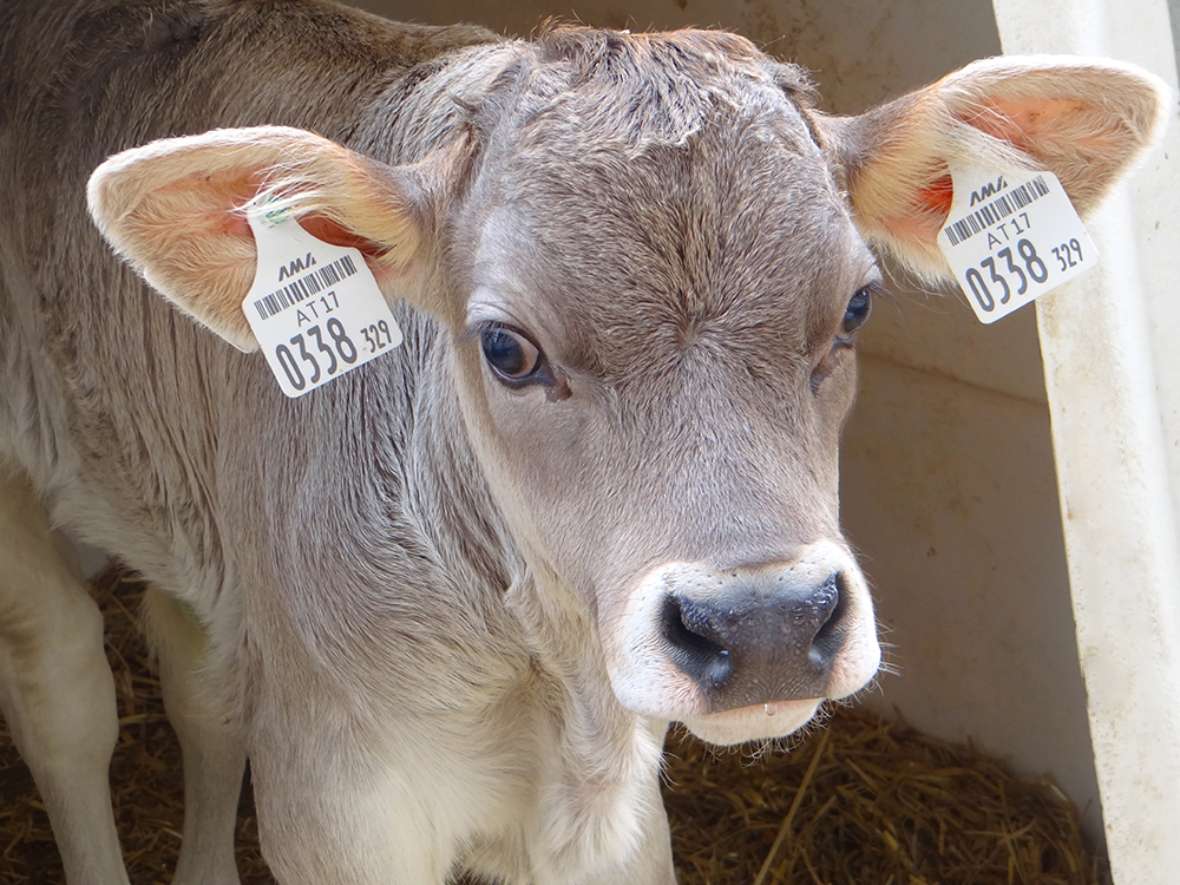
[448, 604]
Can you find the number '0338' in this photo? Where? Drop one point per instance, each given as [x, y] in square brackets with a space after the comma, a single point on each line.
[312, 356]
[998, 277]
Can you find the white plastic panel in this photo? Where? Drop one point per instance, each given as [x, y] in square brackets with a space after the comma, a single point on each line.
[1113, 376]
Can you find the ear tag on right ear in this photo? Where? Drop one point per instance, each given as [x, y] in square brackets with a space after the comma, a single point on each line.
[1010, 238]
[315, 308]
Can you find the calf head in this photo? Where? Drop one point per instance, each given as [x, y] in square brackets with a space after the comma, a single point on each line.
[649, 255]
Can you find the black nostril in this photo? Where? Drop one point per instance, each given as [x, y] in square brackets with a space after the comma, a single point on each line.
[833, 596]
[706, 661]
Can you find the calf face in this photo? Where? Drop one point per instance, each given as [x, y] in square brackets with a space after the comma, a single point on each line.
[649, 255]
[664, 294]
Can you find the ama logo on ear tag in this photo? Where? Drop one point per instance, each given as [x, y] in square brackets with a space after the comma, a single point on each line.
[296, 266]
[988, 191]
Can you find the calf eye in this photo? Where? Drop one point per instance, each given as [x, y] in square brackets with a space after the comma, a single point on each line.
[858, 309]
[510, 354]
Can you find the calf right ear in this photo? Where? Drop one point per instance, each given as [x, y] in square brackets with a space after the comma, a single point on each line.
[174, 209]
[1085, 120]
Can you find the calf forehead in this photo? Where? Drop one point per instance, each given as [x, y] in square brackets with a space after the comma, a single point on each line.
[738, 231]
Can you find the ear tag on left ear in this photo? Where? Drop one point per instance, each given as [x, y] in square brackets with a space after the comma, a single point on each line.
[315, 308]
[1010, 238]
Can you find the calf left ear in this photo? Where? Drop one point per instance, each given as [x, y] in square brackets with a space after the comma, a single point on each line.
[175, 210]
[1083, 120]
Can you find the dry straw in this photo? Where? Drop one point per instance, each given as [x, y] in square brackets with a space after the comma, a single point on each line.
[860, 801]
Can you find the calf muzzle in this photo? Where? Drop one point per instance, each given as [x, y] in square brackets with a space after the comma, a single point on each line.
[756, 636]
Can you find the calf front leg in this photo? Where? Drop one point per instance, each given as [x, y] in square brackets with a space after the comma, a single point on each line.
[649, 861]
[332, 812]
[652, 861]
[56, 689]
[212, 750]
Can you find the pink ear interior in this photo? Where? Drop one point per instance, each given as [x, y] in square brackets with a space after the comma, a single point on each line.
[937, 196]
[1010, 121]
[1050, 128]
[1039, 127]
[332, 232]
[201, 204]
[929, 211]
[222, 194]
[1027, 123]
[234, 224]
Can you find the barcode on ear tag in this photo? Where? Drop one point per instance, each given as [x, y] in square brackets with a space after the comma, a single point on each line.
[315, 308]
[1010, 238]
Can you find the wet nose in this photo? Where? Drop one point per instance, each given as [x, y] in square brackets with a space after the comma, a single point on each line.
[752, 642]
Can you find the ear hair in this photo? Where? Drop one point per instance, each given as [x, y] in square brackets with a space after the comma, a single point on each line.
[375, 203]
[795, 81]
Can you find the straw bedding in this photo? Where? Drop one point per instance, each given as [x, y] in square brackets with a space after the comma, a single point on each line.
[859, 801]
